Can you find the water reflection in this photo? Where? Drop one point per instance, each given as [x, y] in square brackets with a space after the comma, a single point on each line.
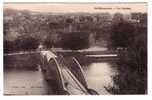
[24, 82]
[99, 75]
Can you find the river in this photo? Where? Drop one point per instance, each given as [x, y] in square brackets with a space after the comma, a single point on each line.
[99, 75]
[30, 82]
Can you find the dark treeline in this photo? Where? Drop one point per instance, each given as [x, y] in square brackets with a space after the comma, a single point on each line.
[51, 30]
[131, 40]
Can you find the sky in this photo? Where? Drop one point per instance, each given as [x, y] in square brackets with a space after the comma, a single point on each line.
[79, 7]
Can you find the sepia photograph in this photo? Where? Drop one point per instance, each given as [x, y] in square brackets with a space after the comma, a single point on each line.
[75, 48]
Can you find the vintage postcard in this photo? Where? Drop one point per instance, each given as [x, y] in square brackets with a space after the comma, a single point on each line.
[75, 48]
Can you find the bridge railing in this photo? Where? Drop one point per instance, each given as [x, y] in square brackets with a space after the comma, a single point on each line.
[57, 69]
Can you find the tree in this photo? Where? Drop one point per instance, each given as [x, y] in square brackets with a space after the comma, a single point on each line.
[26, 43]
[117, 18]
[52, 40]
[132, 67]
[122, 34]
[75, 40]
[9, 46]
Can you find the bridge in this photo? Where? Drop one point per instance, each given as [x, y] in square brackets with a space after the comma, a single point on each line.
[63, 65]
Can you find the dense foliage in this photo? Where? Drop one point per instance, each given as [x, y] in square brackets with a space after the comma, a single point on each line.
[75, 41]
[132, 67]
[122, 34]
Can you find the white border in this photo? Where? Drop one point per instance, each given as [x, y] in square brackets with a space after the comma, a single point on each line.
[1, 48]
[75, 0]
[106, 97]
[149, 47]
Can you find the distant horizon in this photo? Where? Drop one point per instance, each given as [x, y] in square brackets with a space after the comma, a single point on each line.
[78, 8]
